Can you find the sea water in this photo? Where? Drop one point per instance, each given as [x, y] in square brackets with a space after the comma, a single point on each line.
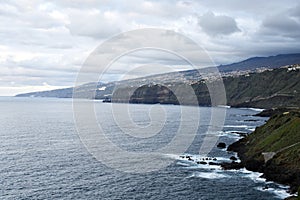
[42, 156]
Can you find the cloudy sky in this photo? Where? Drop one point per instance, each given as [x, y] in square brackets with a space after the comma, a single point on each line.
[43, 44]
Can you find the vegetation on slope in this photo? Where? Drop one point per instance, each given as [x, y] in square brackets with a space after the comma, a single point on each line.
[276, 88]
[193, 75]
[281, 137]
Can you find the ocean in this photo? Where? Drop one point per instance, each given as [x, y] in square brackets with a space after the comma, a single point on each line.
[42, 156]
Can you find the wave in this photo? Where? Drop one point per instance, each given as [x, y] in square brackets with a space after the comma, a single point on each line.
[216, 172]
[223, 106]
[237, 126]
[192, 162]
[184, 164]
[254, 176]
[208, 175]
[271, 187]
[195, 157]
[194, 166]
[230, 134]
[279, 192]
[255, 109]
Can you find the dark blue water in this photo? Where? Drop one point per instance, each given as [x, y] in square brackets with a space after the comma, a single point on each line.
[42, 157]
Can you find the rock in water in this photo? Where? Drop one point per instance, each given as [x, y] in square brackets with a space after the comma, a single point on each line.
[202, 162]
[233, 158]
[221, 145]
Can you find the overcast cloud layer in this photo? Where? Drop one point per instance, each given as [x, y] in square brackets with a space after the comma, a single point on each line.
[44, 43]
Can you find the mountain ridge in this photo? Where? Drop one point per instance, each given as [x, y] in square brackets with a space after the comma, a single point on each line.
[268, 61]
[189, 76]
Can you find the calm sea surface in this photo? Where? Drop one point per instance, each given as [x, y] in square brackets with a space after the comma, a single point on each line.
[42, 157]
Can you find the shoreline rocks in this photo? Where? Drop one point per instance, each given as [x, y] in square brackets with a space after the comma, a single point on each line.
[274, 136]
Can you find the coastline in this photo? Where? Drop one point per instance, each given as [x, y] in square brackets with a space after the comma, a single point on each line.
[252, 165]
[250, 134]
[256, 151]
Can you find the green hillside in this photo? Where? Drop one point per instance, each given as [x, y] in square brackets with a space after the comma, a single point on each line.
[280, 138]
[268, 89]
[276, 88]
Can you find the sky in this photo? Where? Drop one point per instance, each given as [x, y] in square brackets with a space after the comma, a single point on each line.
[43, 44]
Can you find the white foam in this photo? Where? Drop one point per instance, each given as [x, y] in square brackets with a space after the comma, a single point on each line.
[216, 172]
[224, 106]
[230, 135]
[281, 193]
[200, 166]
[255, 176]
[208, 175]
[255, 109]
[197, 157]
[184, 164]
[237, 126]
[192, 164]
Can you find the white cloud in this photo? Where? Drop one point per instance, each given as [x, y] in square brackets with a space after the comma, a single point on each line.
[47, 41]
[94, 23]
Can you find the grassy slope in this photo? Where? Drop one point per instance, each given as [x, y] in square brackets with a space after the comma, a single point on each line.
[279, 132]
[266, 89]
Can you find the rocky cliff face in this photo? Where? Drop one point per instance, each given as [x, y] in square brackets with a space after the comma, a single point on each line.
[276, 88]
[274, 149]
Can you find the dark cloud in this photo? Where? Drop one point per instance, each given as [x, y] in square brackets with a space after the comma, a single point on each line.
[281, 25]
[295, 12]
[217, 25]
[256, 8]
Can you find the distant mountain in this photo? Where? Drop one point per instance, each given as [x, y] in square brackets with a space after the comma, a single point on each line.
[188, 76]
[258, 62]
[83, 91]
[58, 93]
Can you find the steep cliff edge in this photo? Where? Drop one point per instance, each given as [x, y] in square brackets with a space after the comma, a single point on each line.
[268, 89]
[274, 149]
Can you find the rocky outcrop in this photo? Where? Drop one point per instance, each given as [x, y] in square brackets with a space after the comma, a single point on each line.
[233, 158]
[232, 165]
[274, 111]
[281, 136]
[221, 145]
[292, 198]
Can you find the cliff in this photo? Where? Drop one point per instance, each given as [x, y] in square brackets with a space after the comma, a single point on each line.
[243, 89]
[274, 149]
[268, 89]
